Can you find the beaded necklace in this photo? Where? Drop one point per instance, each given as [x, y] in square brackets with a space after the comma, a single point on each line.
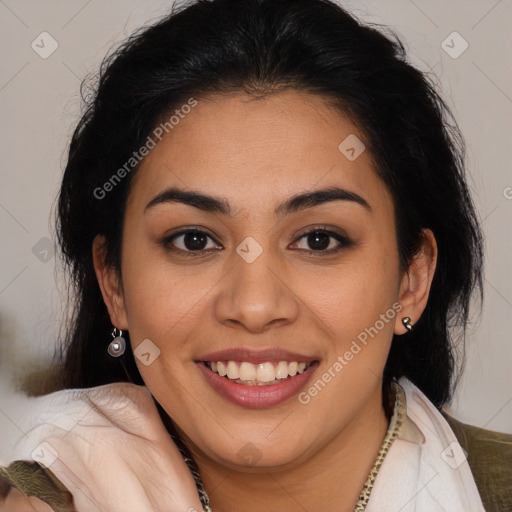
[392, 432]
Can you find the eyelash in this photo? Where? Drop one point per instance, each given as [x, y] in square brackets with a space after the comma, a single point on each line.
[344, 242]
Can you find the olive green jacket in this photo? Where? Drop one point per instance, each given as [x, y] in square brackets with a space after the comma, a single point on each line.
[490, 459]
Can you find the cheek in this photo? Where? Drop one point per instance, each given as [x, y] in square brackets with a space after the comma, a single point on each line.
[351, 296]
[356, 305]
[162, 301]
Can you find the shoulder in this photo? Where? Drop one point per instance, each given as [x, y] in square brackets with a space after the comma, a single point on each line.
[489, 456]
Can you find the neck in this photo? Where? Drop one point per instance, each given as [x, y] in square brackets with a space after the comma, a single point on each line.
[331, 480]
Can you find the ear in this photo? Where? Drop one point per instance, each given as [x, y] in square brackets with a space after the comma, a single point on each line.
[416, 282]
[110, 285]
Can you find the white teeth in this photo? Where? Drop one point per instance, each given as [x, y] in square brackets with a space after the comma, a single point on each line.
[266, 372]
[282, 370]
[262, 373]
[221, 369]
[233, 373]
[247, 371]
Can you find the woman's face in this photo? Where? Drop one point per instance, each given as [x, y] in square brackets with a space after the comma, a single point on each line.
[262, 295]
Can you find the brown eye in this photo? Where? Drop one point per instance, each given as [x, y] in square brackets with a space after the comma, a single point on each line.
[189, 241]
[318, 240]
[323, 241]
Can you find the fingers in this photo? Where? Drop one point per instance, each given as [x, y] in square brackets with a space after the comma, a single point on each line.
[111, 451]
[16, 502]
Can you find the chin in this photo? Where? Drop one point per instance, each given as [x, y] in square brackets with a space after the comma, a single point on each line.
[255, 453]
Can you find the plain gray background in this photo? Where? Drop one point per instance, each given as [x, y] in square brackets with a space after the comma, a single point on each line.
[40, 104]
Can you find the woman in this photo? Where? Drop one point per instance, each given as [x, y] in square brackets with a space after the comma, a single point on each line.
[265, 207]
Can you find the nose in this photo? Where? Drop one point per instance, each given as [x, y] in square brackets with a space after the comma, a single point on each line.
[256, 295]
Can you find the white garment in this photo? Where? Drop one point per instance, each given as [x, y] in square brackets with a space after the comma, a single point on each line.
[425, 469]
[117, 430]
[108, 447]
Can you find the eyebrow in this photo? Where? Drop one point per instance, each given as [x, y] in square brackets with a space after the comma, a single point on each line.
[299, 202]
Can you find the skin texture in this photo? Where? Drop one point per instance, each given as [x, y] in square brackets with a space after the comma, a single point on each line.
[255, 154]
[16, 502]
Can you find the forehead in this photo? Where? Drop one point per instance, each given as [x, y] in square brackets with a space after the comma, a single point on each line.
[256, 151]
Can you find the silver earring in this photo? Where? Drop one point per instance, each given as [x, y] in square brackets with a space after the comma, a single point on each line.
[406, 321]
[117, 346]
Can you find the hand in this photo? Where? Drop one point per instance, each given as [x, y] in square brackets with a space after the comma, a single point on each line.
[16, 502]
[115, 454]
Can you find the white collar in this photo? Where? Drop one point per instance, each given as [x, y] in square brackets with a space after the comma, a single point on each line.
[425, 470]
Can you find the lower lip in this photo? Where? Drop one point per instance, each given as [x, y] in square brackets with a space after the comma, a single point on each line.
[257, 396]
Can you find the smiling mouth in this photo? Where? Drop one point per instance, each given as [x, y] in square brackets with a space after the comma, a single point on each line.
[262, 374]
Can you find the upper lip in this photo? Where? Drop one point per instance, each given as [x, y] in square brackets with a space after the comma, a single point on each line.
[256, 356]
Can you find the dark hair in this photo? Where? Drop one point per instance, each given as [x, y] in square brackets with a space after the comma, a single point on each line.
[260, 47]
